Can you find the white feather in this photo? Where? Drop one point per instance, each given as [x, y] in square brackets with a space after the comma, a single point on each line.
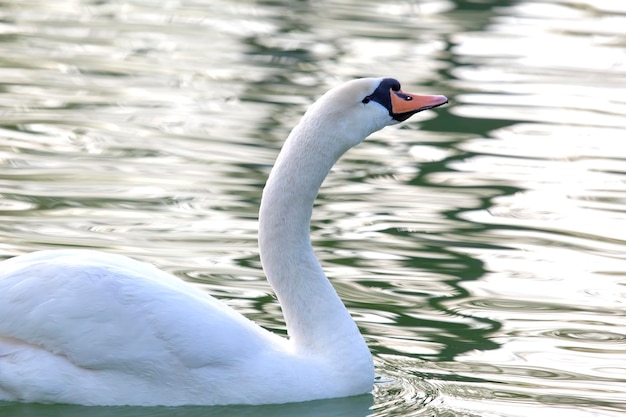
[87, 327]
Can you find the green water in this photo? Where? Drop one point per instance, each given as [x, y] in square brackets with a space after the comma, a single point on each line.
[480, 247]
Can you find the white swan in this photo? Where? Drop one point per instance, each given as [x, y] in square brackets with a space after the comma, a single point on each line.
[93, 328]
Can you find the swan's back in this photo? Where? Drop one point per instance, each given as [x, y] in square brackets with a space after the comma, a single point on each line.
[86, 311]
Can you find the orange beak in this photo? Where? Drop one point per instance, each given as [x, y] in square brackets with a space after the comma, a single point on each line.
[405, 104]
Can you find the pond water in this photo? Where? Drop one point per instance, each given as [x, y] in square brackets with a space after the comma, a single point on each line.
[480, 247]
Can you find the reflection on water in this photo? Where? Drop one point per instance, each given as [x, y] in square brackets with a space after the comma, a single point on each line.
[338, 407]
[480, 247]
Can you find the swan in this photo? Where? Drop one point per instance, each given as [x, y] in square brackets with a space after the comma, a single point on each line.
[92, 328]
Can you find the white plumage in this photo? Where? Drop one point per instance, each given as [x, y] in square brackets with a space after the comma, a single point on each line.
[94, 328]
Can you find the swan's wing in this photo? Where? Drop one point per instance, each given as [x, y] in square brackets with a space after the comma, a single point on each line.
[106, 311]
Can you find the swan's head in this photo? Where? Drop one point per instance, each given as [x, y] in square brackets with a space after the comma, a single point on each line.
[357, 108]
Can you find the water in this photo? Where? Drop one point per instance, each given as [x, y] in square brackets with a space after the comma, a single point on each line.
[480, 247]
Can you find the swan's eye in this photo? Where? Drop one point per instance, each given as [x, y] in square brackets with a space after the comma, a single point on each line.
[366, 100]
[404, 97]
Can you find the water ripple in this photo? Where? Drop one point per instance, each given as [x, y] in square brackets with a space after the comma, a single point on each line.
[479, 247]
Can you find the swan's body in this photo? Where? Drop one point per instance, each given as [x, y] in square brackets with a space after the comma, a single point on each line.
[87, 327]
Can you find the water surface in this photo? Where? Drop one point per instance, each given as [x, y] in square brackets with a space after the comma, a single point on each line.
[480, 247]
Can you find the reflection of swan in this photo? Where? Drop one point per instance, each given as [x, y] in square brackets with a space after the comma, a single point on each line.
[94, 328]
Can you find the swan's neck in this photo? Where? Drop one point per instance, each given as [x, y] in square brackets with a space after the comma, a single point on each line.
[317, 321]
